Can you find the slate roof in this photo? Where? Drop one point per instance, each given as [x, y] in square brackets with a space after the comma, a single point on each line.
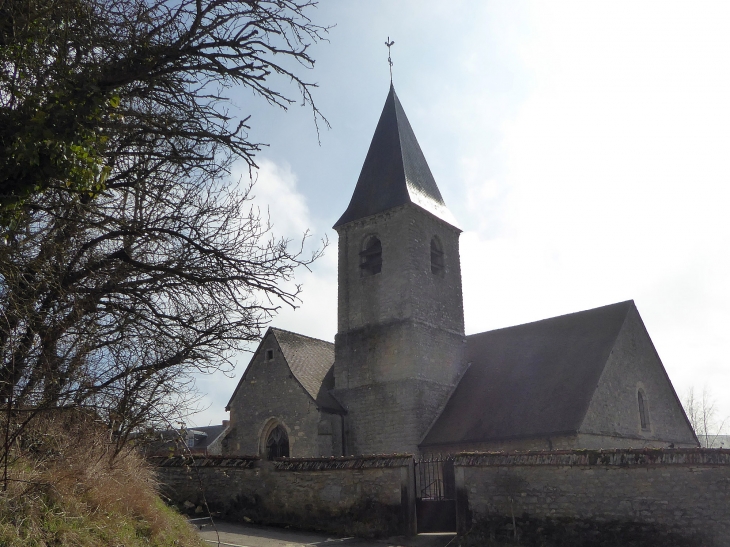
[395, 171]
[161, 442]
[209, 433]
[535, 379]
[312, 363]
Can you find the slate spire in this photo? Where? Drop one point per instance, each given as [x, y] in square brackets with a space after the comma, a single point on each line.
[395, 171]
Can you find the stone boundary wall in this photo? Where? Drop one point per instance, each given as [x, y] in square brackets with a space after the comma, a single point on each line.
[365, 496]
[583, 497]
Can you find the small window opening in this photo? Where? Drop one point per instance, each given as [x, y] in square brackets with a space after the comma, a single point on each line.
[437, 257]
[371, 258]
[191, 442]
[643, 412]
[269, 354]
[277, 444]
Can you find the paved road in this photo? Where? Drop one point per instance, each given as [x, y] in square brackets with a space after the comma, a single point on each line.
[249, 535]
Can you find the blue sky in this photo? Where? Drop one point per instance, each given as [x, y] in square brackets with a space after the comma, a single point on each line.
[582, 146]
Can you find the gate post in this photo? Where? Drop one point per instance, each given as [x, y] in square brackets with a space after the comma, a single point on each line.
[408, 498]
[463, 519]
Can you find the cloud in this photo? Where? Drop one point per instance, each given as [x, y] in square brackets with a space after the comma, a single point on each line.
[276, 194]
[614, 181]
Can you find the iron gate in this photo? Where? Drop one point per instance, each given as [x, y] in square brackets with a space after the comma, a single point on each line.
[435, 494]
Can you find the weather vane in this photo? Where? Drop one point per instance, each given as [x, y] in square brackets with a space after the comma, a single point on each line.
[390, 62]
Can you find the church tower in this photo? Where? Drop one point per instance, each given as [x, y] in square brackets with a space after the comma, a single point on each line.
[400, 341]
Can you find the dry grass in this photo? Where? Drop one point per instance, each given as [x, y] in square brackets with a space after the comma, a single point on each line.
[66, 489]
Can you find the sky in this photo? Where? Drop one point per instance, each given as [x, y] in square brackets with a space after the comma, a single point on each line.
[582, 146]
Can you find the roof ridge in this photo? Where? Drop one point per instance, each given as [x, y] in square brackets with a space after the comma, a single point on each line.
[302, 335]
[631, 301]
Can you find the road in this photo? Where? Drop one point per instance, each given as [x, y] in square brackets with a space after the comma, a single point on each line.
[250, 535]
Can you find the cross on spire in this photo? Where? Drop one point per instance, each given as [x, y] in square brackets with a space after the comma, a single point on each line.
[389, 43]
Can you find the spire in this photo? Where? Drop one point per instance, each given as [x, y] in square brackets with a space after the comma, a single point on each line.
[395, 171]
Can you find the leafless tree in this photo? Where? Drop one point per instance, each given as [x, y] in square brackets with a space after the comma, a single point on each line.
[119, 285]
[93, 93]
[702, 414]
[113, 304]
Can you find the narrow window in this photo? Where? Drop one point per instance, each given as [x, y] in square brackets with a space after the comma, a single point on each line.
[277, 444]
[437, 257]
[643, 412]
[371, 257]
[269, 354]
[191, 442]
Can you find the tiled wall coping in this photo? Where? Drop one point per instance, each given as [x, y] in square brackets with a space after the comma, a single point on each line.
[345, 462]
[242, 462]
[287, 464]
[606, 458]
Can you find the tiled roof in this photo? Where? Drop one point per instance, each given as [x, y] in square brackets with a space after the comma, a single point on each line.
[312, 363]
[395, 171]
[530, 380]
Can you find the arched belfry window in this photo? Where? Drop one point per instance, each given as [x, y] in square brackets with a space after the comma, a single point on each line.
[371, 257]
[437, 257]
[643, 411]
[277, 444]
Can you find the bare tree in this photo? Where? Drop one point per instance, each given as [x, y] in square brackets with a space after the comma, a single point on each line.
[702, 414]
[128, 263]
[93, 93]
[112, 305]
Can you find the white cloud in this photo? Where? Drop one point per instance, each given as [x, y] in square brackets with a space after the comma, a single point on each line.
[276, 194]
[615, 181]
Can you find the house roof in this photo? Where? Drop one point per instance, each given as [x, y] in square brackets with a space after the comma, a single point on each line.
[530, 380]
[162, 441]
[312, 363]
[208, 434]
[395, 171]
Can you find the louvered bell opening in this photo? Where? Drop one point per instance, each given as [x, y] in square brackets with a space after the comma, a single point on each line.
[371, 258]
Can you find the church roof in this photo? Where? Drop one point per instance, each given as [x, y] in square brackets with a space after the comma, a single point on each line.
[395, 171]
[530, 380]
[311, 361]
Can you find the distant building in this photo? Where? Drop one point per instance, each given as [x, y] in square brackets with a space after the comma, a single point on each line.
[403, 377]
[205, 441]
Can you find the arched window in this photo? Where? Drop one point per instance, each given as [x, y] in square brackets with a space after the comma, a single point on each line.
[277, 444]
[437, 257]
[371, 257]
[643, 411]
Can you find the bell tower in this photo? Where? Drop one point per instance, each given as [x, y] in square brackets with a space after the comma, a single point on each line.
[400, 341]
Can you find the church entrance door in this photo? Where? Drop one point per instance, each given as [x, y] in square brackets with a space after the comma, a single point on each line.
[435, 494]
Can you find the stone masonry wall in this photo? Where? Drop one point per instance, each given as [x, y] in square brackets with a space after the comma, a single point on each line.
[390, 416]
[405, 288]
[268, 393]
[633, 365]
[400, 342]
[365, 496]
[673, 497]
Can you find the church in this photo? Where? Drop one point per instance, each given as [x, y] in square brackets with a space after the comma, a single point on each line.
[402, 376]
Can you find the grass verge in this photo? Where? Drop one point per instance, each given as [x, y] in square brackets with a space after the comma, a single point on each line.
[66, 487]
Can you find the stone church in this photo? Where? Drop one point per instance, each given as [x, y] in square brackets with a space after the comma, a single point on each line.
[402, 377]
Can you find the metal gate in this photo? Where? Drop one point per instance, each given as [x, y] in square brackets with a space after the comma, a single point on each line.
[435, 494]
